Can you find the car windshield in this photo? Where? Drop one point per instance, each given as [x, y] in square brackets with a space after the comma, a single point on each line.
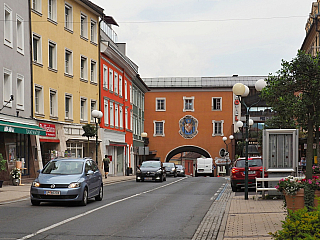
[251, 163]
[63, 167]
[150, 164]
[168, 164]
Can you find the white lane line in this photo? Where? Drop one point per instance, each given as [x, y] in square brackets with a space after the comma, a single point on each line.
[93, 210]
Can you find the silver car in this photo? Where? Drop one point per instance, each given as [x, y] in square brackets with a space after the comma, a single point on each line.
[67, 180]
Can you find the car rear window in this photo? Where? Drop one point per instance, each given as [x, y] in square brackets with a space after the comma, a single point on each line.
[168, 164]
[151, 164]
[251, 163]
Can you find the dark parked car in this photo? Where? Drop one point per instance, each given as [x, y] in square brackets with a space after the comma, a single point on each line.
[171, 169]
[238, 172]
[67, 180]
[181, 171]
[151, 170]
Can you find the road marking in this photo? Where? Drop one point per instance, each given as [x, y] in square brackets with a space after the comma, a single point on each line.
[93, 210]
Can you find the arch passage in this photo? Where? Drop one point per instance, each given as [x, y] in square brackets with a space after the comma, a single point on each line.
[187, 149]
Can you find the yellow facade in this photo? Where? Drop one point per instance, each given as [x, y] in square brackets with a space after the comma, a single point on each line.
[54, 31]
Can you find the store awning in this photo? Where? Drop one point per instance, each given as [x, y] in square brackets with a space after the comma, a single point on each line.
[12, 127]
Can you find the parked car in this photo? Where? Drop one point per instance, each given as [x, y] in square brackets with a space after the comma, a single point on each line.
[151, 170]
[181, 171]
[171, 169]
[67, 180]
[238, 172]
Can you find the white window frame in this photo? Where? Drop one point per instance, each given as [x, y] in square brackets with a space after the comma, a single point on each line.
[8, 31]
[111, 114]
[20, 92]
[130, 92]
[68, 66]
[93, 106]
[155, 134]
[126, 118]
[116, 82]
[39, 100]
[93, 31]
[157, 104]
[125, 90]
[54, 55]
[37, 48]
[83, 109]
[52, 13]
[214, 108]
[53, 103]
[69, 114]
[20, 34]
[84, 25]
[121, 116]
[68, 19]
[36, 5]
[106, 112]
[105, 77]
[110, 79]
[7, 87]
[184, 104]
[214, 123]
[116, 115]
[84, 68]
[131, 118]
[93, 71]
[120, 85]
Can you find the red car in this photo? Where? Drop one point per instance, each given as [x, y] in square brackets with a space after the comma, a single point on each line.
[238, 172]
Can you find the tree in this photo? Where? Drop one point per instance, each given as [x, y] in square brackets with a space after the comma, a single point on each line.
[89, 131]
[295, 93]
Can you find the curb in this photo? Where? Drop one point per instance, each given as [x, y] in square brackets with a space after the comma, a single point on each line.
[223, 225]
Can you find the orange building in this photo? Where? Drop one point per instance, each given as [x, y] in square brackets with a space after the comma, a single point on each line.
[191, 115]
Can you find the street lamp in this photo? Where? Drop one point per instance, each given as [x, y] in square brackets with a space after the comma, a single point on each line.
[144, 136]
[242, 90]
[96, 114]
[226, 155]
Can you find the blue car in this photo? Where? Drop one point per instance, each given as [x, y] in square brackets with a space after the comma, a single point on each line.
[67, 180]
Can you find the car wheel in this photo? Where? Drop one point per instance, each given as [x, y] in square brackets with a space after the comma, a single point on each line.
[35, 203]
[234, 188]
[100, 195]
[84, 200]
[137, 180]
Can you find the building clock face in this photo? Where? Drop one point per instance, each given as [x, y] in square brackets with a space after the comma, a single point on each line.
[188, 126]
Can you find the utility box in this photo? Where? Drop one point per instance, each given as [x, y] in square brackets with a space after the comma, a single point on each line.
[280, 153]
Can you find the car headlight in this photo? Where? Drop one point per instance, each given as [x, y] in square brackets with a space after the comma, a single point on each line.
[74, 185]
[35, 184]
[173, 169]
[182, 170]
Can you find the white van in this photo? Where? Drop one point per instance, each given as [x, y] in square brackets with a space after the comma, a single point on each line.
[204, 167]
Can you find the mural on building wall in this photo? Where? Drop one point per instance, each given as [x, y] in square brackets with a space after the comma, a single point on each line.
[188, 127]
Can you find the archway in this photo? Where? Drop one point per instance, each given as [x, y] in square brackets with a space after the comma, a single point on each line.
[187, 149]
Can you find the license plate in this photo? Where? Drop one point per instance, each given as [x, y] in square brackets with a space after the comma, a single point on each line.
[251, 172]
[148, 178]
[52, 192]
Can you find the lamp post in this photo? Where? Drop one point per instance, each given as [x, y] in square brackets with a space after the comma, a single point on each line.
[242, 90]
[96, 115]
[226, 155]
[144, 136]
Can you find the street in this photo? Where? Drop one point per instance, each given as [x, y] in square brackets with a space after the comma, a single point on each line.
[129, 210]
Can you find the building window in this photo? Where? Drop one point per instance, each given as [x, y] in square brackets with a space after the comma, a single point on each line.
[68, 17]
[111, 114]
[52, 10]
[68, 106]
[52, 55]
[110, 79]
[116, 115]
[36, 5]
[188, 104]
[93, 74]
[20, 35]
[83, 68]
[120, 85]
[93, 106]
[116, 82]
[130, 92]
[20, 92]
[38, 99]
[53, 103]
[160, 104]
[125, 90]
[93, 31]
[106, 112]
[68, 62]
[126, 118]
[131, 119]
[75, 148]
[217, 128]
[105, 77]
[158, 128]
[7, 87]
[121, 116]
[216, 103]
[8, 26]
[37, 54]
[83, 26]
[83, 109]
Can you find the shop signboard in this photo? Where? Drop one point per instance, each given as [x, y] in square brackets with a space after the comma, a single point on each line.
[50, 129]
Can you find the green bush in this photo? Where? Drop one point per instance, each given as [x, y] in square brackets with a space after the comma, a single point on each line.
[3, 163]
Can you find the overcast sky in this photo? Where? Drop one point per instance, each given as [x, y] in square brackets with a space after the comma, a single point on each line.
[208, 38]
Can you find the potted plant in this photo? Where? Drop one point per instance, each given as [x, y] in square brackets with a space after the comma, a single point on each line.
[316, 170]
[15, 174]
[3, 167]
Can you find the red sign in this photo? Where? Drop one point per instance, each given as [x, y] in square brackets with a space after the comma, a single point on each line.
[50, 129]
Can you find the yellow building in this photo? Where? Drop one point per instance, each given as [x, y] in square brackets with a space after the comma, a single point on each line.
[65, 74]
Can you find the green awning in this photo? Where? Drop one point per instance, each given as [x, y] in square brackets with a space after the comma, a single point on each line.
[12, 127]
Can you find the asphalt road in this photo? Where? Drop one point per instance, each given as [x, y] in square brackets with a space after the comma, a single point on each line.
[129, 210]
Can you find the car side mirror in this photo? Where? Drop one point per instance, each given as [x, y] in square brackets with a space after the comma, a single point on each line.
[90, 172]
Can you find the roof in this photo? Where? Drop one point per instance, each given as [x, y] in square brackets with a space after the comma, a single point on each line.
[182, 82]
[93, 6]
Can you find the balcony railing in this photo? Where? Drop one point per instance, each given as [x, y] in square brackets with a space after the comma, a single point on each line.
[109, 31]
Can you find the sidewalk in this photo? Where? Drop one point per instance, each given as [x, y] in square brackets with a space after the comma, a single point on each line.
[10, 193]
